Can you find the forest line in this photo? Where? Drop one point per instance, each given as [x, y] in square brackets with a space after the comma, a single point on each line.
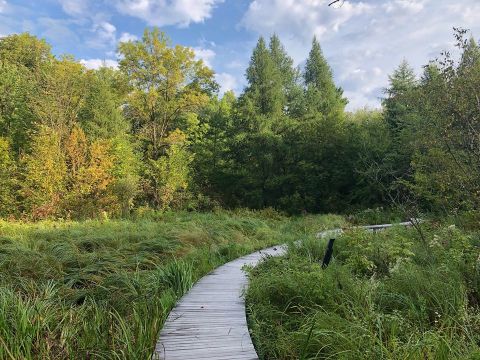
[155, 135]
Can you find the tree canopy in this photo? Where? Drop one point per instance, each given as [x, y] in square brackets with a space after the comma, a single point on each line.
[156, 133]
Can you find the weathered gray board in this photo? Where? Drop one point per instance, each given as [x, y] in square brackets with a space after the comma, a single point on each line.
[209, 322]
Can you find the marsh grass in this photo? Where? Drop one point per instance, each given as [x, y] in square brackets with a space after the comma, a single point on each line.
[102, 289]
[384, 296]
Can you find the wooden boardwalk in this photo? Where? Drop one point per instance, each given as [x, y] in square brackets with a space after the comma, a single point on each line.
[209, 322]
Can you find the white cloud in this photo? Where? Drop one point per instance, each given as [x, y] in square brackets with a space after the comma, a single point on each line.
[3, 5]
[125, 37]
[95, 64]
[207, 55]
[301, 18]
[105, 35]
[168, 12]
[106, 30]
[74, 7]
[227, 82]
[364, 41]
[409, 6]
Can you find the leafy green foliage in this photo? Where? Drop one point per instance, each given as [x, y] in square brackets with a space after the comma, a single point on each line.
[167, 84]
[385, 295]
[154, 135]
[286, 142]
[170, 173]
[45, 175]
[265, 85]
[101, 115]
[16, 119]
[7, 179]
[25, 50]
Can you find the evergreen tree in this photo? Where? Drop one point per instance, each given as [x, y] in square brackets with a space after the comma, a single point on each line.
[292, 90]
[431, 73]
[322, 94]
[317, 71]
[264, 82]
[282, 61]
[402, 82]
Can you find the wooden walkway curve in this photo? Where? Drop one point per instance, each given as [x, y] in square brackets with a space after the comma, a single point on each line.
[209, 322]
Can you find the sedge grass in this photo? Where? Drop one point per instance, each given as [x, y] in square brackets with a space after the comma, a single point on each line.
[102, 289]
[384, 296]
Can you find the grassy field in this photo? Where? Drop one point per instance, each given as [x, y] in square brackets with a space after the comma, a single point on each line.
[102, 289]
[391, 295]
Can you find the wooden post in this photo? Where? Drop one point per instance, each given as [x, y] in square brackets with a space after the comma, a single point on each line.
[328, 254]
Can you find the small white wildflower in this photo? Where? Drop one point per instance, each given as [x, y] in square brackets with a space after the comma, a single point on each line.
[435, 241]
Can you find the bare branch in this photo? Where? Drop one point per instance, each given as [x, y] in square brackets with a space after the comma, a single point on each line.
[334, 2]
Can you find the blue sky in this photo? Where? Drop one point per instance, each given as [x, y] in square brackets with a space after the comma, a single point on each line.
[363, 40]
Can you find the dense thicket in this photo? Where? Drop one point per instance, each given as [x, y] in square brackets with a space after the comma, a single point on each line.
[154, 133]
[385, 295]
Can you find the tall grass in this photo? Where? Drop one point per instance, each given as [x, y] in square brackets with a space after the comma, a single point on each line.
[384, 296]
[102, 289]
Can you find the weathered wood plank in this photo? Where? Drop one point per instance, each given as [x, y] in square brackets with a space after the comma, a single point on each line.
[210, 322]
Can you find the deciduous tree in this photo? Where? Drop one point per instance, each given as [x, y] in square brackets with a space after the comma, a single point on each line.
[44, 175]
[167, 84]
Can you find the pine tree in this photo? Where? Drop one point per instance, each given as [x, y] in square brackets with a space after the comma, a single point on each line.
[322, 94]
[282, 61]
[317, 70]
[292, 90]
[265, 82]
[431, 73]
[402, 81]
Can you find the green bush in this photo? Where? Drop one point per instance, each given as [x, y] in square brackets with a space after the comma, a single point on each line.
[385, 295]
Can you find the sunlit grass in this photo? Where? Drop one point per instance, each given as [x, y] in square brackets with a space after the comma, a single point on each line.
[384, 296]
[102, 289]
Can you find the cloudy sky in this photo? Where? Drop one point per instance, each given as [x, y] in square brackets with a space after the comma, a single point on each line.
[363, 40]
